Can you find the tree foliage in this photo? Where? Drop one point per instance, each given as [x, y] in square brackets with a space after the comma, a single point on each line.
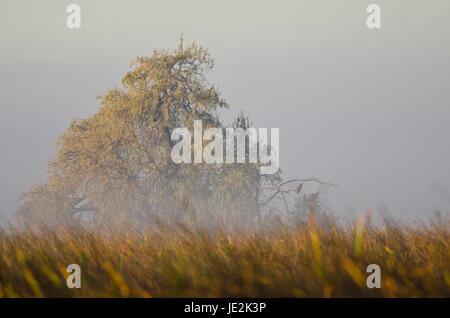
[116, 163]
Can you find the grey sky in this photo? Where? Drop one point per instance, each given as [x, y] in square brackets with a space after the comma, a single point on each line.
[366, 109]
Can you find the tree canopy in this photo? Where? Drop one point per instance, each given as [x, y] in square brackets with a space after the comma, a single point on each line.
[117, 164]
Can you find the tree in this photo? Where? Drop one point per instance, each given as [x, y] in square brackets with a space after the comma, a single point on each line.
[117, 163]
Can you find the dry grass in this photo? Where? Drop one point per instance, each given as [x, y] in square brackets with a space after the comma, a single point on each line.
[302, 260]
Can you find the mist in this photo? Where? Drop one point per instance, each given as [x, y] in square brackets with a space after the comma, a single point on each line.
[366, 110]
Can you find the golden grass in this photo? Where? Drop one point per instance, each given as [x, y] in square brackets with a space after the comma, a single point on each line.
[301, 260]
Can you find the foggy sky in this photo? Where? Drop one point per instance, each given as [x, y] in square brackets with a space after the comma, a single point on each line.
[368, 110]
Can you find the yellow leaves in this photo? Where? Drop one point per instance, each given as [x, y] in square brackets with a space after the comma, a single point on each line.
[10, 292]
[327, 291]
[299, 293]
[359, 237]
[316, 245]
[447, 277]
[318, 265]
[52, 276]
[354, 272]
[387, 249]
[293, 261]
[32, 282]
[118, 279]
[229, 240]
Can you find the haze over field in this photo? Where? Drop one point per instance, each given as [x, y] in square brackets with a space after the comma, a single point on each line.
[367, 110]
